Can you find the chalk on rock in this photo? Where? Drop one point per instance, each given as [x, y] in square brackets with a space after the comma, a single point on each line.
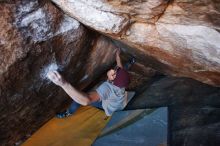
[46, 70]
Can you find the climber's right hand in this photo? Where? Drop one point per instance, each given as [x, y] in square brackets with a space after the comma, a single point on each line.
[56, 78]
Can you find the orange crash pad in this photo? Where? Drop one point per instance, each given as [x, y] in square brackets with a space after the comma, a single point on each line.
[80, 129]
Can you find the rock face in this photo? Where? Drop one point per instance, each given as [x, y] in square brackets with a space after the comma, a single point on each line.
[194, 113]
[36, 37]
[179, 37]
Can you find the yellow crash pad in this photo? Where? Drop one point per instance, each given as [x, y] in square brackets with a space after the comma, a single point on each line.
[80, 129]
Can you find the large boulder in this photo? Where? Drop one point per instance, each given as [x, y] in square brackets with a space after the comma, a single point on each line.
[179, 37]
[35, 37]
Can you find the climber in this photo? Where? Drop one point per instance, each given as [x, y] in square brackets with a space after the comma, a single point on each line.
[109, 96]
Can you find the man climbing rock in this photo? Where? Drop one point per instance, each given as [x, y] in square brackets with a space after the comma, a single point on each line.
[109, 96]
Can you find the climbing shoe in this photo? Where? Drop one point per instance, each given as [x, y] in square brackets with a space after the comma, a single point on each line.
[132, 60]
[63, 114]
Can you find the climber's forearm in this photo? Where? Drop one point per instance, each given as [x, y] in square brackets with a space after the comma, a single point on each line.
[76, 95]
[118, 61]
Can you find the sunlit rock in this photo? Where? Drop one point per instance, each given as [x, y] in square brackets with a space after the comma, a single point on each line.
[181, 37]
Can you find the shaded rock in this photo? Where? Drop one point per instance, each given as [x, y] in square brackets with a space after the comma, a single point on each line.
[193, 109]
[178, 92]
[181, 37]
[35, 37]
[32, 39]
[140, 76]
[195, 126]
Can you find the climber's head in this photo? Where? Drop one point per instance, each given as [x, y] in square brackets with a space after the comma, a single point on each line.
[111, 74]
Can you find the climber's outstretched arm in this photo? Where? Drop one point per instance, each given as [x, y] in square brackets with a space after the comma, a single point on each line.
[79, 97]
[118, 59]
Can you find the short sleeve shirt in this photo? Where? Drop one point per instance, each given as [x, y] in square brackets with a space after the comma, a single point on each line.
[113, 98]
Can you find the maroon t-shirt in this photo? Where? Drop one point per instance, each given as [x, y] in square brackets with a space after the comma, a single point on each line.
[122, 78]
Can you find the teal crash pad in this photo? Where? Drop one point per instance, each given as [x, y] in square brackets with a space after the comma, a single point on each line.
[146, 127]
